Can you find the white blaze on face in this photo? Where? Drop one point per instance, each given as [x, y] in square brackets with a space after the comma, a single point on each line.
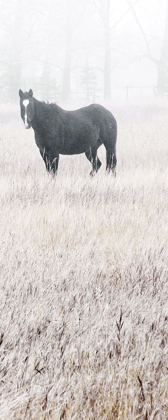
[25, 103]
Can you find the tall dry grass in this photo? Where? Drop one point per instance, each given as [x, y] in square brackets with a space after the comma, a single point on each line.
[83, 277]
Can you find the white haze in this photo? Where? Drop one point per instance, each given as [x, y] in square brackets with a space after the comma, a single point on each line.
[34, 39]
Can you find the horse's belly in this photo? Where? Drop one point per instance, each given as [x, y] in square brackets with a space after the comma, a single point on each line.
[73, 149]
[76, 148]
[78, 144]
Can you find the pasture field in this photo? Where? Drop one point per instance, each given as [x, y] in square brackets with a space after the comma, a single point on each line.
[84, 276]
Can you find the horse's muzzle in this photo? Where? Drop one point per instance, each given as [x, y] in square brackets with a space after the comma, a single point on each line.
[27, 125]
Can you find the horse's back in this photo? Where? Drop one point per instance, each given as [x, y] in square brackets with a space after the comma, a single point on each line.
[99, 114]
[104, 119]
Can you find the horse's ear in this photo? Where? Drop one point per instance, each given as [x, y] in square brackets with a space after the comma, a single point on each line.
[20, 93]
[30, 93]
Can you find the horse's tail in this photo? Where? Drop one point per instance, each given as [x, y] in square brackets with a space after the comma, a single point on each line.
[110, 140]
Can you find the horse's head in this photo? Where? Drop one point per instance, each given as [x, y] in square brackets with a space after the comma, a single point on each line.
[27, 107]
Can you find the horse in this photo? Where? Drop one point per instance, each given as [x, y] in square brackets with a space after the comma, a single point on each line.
[58, 131]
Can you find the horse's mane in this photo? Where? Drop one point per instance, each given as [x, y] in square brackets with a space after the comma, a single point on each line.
[50, 105]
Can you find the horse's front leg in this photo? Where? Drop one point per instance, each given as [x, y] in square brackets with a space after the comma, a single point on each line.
[53, 167]
[51, 161]
[91, 155]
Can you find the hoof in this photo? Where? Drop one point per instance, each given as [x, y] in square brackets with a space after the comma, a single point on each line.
[92, 173]
[111, 171]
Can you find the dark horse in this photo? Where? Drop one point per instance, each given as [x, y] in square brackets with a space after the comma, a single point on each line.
[70, 132]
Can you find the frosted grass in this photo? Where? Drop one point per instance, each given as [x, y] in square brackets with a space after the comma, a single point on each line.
[83, 286]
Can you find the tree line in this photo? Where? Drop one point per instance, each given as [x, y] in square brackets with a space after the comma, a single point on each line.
[62, 46]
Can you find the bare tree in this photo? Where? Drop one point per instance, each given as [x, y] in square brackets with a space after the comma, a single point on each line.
[103, 8]
[11, 57]
[74, 16]
[66, 83]
[88, 81]
[107, 58]
[162, 79]
[162, 61]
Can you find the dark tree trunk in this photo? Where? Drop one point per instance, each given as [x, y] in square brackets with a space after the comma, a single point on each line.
[66, 83]
[107, 58]
[162, 62]
[14, 69]
[162, 79]
[107, 66]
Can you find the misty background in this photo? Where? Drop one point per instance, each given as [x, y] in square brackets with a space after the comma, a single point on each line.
[83, 49]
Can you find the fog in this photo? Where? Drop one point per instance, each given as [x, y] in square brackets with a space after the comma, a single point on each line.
[83, 49]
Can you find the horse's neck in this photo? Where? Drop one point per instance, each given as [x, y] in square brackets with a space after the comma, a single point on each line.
[39, 109]
[40, 120]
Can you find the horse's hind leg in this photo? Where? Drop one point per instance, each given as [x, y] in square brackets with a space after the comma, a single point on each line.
[110, 145]
[111, 160]
[91, 155]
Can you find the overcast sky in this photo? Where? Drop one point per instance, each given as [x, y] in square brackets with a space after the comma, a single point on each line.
[34, 39]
